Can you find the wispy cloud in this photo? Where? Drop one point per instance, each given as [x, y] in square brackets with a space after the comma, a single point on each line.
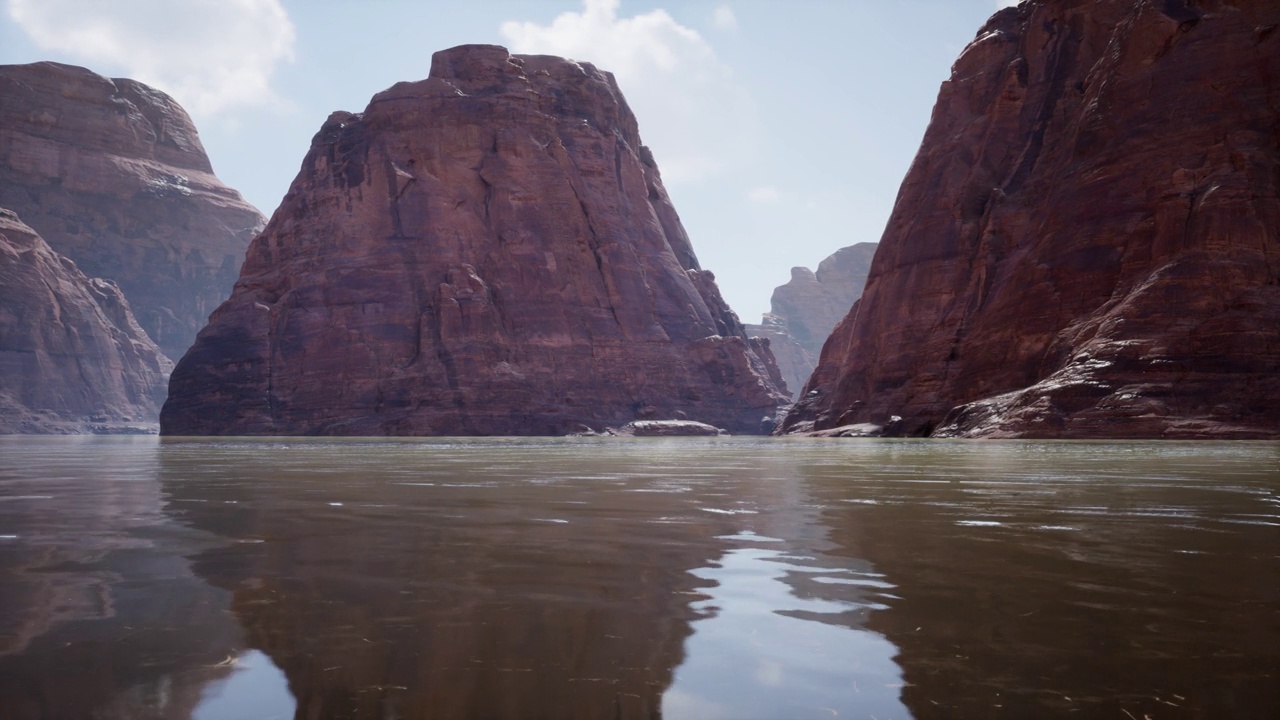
[209, 54]
[765, 194]
[691, 111]
[724, 18]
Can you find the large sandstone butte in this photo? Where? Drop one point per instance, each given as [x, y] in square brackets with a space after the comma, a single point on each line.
[803, 312]
[112, 174]
[72, 357]
[1086, 243]
[487, 251]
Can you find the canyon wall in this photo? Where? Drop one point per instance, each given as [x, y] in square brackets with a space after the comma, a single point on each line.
[72, 357]
[1086, 243]
[111, 173]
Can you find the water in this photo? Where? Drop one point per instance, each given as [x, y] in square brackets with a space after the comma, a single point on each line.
[583, 578]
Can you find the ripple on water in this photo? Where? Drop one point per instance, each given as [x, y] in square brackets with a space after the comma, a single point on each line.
[748, 536]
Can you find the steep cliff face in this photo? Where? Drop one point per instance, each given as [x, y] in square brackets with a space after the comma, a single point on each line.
[488, 251]
[1086, 244]
[112, 174]
[71, 354]
[803, 312]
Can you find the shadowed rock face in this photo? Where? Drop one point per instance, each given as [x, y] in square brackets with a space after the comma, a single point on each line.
[1086, 244]
[112, 174]
[805, 310]
[71, 353]
[488, 251]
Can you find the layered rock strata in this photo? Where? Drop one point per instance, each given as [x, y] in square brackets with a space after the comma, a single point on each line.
[487, 251]
[72, 357]
[112, 174]
[803, 312]
[1086, 244]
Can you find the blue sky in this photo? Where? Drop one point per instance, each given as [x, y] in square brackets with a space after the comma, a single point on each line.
[783, 129]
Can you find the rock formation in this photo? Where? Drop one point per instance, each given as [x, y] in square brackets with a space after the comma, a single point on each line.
[805, 310]
[487, 251]
[1086, 244]
[72, 357]
[112, 174]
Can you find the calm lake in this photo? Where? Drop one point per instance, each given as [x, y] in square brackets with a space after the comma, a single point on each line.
[607, 578]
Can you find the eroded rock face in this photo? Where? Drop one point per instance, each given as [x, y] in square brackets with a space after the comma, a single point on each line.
[805, 310]
[72, 357]
[1086, 244]
[112, 174]
[488, 251]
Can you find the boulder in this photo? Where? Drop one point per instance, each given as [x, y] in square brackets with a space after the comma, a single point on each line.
[669, 428]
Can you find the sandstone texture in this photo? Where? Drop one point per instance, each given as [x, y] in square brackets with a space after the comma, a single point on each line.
[112, 174]
[72, 357]
[1086, 244]
[487, 251]
[803, 312]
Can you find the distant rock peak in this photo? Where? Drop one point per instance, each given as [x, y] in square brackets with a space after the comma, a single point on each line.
[805, 310]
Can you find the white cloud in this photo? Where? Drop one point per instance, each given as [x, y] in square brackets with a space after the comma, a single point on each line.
[1006, 3]
[692, 113]
[209, 54]
[764, 194]
[724, 18]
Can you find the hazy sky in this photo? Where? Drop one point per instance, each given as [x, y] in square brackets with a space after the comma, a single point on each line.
[782, 129]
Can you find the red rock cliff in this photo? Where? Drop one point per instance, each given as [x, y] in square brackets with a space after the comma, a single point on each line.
[71, 354]
[112, 174]
[1086, 244]
[488, 251]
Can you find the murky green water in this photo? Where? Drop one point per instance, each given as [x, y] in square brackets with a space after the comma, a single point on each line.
[722, 578]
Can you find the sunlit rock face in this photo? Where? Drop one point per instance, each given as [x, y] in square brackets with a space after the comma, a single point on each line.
[1086, 243]
[487, 251]
[803, 312]
[72, 357]
[112, 174]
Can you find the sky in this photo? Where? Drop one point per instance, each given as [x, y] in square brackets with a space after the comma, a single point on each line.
[782, 129]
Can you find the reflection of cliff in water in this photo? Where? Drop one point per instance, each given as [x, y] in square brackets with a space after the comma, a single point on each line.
[100, 615]
[1062, 580]
[414, 580]
[784, 635]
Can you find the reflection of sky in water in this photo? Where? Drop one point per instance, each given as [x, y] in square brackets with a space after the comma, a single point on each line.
[762, 651]
[256, 690]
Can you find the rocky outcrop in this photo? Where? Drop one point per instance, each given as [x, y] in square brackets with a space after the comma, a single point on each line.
[669, 428]
[72, 357]
[112, 174]
[804, 311]
[488, 251]
[1086, 244]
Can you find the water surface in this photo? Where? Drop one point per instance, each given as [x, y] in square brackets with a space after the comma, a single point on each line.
[682, 578]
